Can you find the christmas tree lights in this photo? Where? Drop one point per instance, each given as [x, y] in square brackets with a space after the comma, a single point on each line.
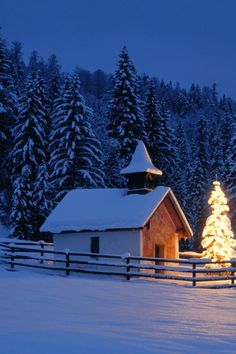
[217, 238]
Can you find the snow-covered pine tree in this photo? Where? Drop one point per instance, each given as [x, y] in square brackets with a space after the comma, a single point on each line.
[161, 141]
[182, 165]
[54, 89]
[8, 104]
[213, 95]
[33, 66]
[43, 191]
[232, 177]
[201, 180]
[216, 159]
[17, 67]
[192, 194]
[75, 151]
[182, 176]
[42, 194]
[144, 82]
[53, 80]
[159, 138]
[151, 122]
[195, 97]
[226, 132]
[179, 101]
[28, 154]
[125, 119]
[40, 89]
[113, 178]
[22, 215]
[99, 124]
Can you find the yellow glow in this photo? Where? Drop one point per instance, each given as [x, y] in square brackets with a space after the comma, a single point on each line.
[217, 237]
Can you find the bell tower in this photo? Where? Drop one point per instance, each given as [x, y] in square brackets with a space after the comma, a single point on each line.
[141, 173]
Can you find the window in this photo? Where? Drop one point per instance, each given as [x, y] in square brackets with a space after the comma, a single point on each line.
[94, 246]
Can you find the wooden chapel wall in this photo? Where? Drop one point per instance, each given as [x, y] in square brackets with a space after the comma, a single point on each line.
[161, 231]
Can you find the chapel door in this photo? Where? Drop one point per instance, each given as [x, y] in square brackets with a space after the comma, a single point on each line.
[159, 253]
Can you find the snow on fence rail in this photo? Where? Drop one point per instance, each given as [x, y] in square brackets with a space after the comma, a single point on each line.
[40, 255]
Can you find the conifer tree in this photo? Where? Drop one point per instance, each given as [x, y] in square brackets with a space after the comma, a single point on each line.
[201, 179]
[28, 154]
[182, 165]
[192, 193]
[201, 143]
[162, 149]
[33, 66]
[216, 159]
[159, 137]
[152, 121]
[41, 91]
[43, 191]
[53, 80]
[54, 89]
[217, 236]
[125, 117]
[8, 102]
[179, 101]
[75, 151]
[113, 178]
[195, 98]
[22, 215]
[17, 67]
[42, 194]
[226, 129]
[231, 187]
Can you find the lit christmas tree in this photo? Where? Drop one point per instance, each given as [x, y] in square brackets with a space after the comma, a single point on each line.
[217, 238]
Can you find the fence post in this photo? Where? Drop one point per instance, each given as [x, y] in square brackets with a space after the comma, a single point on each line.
[42, 252]
[233, 265]
[12, 255]
[127, 268]
[194, 274]
[67, 261]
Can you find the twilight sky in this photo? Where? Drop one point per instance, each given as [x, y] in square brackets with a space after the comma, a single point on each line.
[179, 40]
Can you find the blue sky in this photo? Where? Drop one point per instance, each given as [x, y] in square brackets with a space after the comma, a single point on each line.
[179, 40]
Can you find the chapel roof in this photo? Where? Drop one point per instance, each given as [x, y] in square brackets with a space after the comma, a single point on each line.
[108, 209]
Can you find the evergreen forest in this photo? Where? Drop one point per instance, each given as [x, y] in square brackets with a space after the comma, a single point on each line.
[60, 131]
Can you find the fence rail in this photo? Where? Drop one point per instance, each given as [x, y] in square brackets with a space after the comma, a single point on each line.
[40, 255]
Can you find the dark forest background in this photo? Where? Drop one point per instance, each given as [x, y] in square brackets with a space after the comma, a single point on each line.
[60, 131]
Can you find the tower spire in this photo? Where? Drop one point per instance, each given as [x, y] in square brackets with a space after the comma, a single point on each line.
[141, 172]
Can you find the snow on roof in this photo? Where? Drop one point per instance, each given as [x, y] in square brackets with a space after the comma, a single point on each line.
[102, 209]
[141, 162]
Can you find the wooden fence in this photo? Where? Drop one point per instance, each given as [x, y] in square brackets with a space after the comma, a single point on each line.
[193, 271]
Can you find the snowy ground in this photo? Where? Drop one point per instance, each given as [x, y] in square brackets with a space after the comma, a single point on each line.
[52, 314]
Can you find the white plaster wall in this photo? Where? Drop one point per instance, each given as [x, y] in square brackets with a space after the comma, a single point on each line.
[111, 242]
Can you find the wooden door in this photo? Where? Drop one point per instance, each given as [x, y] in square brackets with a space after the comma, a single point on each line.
[159, 253]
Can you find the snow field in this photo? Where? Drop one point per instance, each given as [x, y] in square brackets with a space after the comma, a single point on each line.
[42, 314]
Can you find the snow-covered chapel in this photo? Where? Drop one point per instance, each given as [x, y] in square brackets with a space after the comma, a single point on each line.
[143, 219]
